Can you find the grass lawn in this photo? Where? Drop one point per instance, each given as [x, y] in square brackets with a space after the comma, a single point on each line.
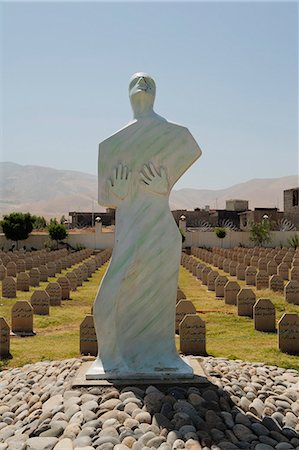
[228, 335]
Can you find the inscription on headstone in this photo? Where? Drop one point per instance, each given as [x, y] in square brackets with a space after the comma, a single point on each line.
[211, 278]
[250, 274]
[183, 307]
[220, 283]
[54, 291]
[11, 269]
[192, 332]
[3, 272]
[34, 277]
[276, 283]
[288, 334]
[262, 280]
[40, 302]
[22, 318]
[88, 338]
[283, 271]
[245, 302]
[23, 282]
[291, 292]
[231, 290]
[264, 315]
[9, 288]
[65, 288]
[4, 339]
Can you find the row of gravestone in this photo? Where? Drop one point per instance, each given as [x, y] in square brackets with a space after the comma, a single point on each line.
[36, 275]
[254, 276]
[34, 259]
[36, 270]
[262, 310]
[22, 311]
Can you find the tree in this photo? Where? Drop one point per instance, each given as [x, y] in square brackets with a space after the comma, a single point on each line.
[293, 241]
[220, 233]
[39, 222]
[57, 232]
[260, 232]
[17, 226]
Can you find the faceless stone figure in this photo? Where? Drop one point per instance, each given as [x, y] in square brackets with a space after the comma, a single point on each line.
[134, 311]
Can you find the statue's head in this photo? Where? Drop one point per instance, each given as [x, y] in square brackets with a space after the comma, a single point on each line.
[142, 91]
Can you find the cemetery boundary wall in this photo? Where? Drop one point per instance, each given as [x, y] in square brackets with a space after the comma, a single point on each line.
[194, 238]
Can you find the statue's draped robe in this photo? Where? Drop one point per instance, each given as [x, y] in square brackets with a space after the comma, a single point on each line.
[135, 306]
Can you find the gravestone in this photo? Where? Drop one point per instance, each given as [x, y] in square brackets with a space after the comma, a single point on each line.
[43, 272]
[4, 339]
[199, 268]
[3, 272]
[250, 275]
[262, 280]
[23, 282]
[288, 334]
[22, 318]
[28, 263]
[11, 269]
[91, 266]
[180, 295]
[288, 259]
[245, 302]
[183, 307]
[283, 271]
[211, 278]
[220, 283]
[72, 277]
[233, 268]
[291, 292]
[54, 291]
[21, 265]
[51, 268]
[247, 259]
[276, 283]
[231, 290]
[254, 261]
[272, 267]
[264, 315]
[78, 274]
[262, 264]
[84, 272]
[240, 271]
[36, 261]
[34, 277]
[40, 302]
[9, 288]
[294, 273]
[88, 337]
[278, 258]
[192, 332]
[5, 259]
[204, 274]
[226, 263]
[65, 288]
[59, 266]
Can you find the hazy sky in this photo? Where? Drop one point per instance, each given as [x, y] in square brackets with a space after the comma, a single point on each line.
[227, 71]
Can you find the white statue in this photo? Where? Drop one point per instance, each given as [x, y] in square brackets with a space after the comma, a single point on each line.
[134, 311]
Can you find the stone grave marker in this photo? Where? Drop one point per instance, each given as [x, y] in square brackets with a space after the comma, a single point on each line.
[43, 272]
[180, 295]
[88, 338]
[11, 269]
[51, 268]
[283, 271]
[199, 268]
[231, 290]
[5, 259]
[278, 258]
[65, 288]
[226, 263]
[220, 283]
[28, 262]
[78, 274]
[54, 291]
[247, 259]
[276, 283]
[72, 277]
[3, 272]
[21, 265]
[264, 315]
[272, 267]
[22, 318]
[212, 275]
[291, 292]
[59, 266]
[40, 302]
[92, 267]
[250, 275]
[294, 273]
[183, 307]
[254, 261]
[288, 334]
[288, 259]
[295, 262]
[204, 274]
[84, 272]
[262, 280]
[23, 282]
[240, 271]
[262, 264]
[4, 339]
[192, 331]
[34, 277]
[9, 288]
[245, 302]
[233, 268]
[36, 261]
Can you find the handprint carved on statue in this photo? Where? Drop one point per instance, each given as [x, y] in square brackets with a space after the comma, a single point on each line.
[120, 181]
[154, 181]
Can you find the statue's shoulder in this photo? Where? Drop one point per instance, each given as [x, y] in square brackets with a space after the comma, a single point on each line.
[120, 134]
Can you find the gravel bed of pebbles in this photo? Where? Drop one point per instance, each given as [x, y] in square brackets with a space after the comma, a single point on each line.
[244, 406]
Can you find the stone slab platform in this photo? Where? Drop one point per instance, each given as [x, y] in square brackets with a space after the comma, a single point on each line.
[199, 378]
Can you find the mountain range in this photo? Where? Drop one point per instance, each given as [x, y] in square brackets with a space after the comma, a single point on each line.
[51, 192]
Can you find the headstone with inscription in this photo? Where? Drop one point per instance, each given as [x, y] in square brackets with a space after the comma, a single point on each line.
[65, 288]
[276, 283]
[288, 333]
[43, 272]
[264, 315]
[231, 290]
[233, 268]
[291, 292]
[245, 302]
[4, 339]
[21, 265]
[72, 277]
[51, 268]
[262, 280]
[283, 271]
[240, 271]
[11, 269]
[40, 302]
[54, 291]
[211, 278]
[250, 275]
[84, 272]
[183, 307]
[226, 263]
[28, 262]
[9, 288]
[3, 272]
[272, 267]
[22, 318]
[294, 273]
[77, 272]
[192, 331]
[23, 282]
[180, 295]
[220, 283]
[88, 338]
[34, 277]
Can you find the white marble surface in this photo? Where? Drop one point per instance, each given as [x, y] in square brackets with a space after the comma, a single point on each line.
[134, 311]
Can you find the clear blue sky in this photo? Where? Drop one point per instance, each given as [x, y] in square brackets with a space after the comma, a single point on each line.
[227, 71]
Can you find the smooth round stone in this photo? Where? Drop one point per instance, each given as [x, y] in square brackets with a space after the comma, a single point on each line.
[144, 417]
[109, 431]
[64, 444]
[243, 433]
[72, 410]
[41, 443]
[110, 404]
[284, 446]
[290, 420]
[156, 441]
[129, 441]
[178, 444]
[121, 447]
[259, 429]
[91, 405]
[82, 441]
[53, 402]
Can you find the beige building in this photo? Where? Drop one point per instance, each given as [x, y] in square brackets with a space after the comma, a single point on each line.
[291, 205]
